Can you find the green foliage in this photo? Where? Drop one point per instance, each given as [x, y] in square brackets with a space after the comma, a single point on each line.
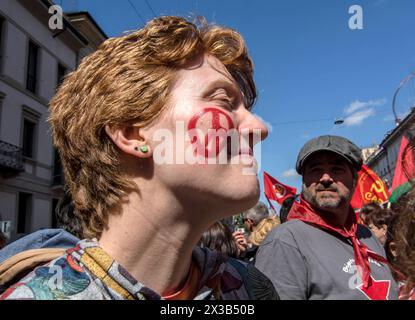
[238, 221]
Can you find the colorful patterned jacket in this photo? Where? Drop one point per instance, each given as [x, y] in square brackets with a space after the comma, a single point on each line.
[87, 272]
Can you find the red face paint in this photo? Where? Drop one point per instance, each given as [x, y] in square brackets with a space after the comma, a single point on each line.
[214, 126]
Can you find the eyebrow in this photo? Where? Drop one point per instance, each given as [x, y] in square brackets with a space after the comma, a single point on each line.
[230, 87]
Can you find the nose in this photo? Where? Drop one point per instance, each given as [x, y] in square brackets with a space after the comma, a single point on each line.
[249, 123]
[326, 179]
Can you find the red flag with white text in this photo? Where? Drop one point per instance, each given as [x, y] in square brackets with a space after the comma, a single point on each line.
[275, 190]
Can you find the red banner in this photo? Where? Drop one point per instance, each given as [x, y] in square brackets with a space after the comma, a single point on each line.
[275, 190]
[399, 176]
[369, 188]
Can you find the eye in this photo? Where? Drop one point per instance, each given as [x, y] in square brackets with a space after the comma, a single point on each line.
[223, 99]
[225, 102]
[228, 102]
[314, 170]
[338, 169]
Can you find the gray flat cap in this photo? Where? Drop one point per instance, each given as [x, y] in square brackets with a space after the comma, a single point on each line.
[339, 145]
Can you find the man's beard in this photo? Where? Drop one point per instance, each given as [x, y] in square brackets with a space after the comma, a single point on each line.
[326, 202]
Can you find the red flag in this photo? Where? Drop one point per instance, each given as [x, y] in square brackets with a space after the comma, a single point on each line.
[406, 163]
[369, 188]
[277, 191]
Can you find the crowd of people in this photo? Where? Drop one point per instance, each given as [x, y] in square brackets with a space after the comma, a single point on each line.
[131, 227]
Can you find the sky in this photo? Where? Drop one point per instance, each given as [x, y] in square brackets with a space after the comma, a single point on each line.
[310, 67]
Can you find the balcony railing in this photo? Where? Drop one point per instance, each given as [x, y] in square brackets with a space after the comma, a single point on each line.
[10, 157]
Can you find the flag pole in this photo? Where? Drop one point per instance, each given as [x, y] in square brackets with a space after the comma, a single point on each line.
[270, 204]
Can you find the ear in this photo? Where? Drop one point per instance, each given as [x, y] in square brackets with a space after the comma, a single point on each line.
[392, 249]
[130, 139]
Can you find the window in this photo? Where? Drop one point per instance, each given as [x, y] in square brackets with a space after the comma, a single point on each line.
[2, 96]
[32, 66]
[28, 138]
[61, 74]
[24, 212]
[57, 178]
[30, 119]
[2, 23]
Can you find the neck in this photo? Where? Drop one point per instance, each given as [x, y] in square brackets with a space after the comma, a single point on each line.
[337, 217]
[147, 231]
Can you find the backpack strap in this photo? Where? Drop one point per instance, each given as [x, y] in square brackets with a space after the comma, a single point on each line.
[243, 272]
[257, 285]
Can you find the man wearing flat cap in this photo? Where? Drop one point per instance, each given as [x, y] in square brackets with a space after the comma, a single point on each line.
[321, 252]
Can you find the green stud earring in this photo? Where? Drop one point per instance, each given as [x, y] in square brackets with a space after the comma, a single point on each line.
[144, 149]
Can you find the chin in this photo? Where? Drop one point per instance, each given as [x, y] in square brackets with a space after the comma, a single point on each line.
[239, 199]
[246, 200]
[328, 205]
[328, 202]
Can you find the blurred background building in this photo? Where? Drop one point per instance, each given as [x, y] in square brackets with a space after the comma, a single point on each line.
[33, 61]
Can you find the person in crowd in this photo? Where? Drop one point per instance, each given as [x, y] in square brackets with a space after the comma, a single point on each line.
[253, 216]
[258, 235]
[321, 252]
[141, 213]
[400, 245]
[377, 219]
[241, 242]
[219, 237]
[251, 219]
[367, 209]
[285, 208]
[262, 229]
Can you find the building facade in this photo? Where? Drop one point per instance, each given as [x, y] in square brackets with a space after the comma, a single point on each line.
[368, 152]
[33, 61]
[384, 160]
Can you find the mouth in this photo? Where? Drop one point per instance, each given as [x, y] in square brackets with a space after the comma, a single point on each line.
[242, 151]
[248, 152]
[327, 194]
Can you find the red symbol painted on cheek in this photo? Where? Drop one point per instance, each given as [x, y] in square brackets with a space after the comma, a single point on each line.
[215, 125]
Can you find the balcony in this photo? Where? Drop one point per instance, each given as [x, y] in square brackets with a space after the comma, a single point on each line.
[11, 159]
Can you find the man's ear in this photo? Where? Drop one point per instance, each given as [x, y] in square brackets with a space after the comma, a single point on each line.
[130, 139]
